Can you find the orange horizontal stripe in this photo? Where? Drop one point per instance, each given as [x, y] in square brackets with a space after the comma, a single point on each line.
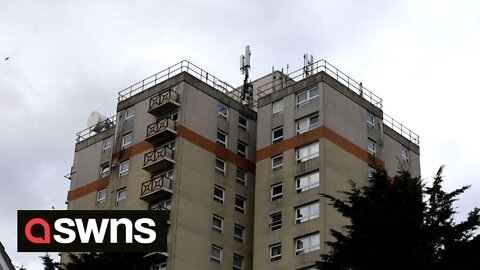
[215, 148]
[315, 135]
[88, 188]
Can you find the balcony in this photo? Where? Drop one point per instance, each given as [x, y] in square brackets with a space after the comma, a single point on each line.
[161, 131]
[156, 188]
[159, 158]
[163, 103]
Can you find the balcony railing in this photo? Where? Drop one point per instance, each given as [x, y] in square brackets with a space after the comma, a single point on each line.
[163, 102]
[158, 159]
[161, 131]
[156, 188]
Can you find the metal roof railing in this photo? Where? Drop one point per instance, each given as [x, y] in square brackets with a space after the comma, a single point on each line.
[99, 127]
[401, 129]
[182, 66]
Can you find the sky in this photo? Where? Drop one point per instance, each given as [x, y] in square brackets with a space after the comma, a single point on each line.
[69, 58]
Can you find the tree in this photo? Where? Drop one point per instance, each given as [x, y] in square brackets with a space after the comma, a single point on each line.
[48, 262]
[100, 260]
[392, 226]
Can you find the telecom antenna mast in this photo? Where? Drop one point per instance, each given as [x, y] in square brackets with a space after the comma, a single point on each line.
[307, 64]
[247, 89]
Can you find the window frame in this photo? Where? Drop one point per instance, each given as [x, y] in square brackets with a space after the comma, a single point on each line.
[212, 256]
[240, 208]
[276, 257]
[127, 144]
[219, 140]
[118, 200]
[217, 198]
[308, 124]
[127, 111]
[274, 197]
[308, 98]
[279, 138]
[216, 228]
[370, 119]
[110, 140]
[373, 149]
[307, 239]
[277, 111]
[236, 237]
[222, 107]
[242, 153]
[121, 168]
[278, 166]
[104, 192]
[310, 155]
[242, 126]
[371, 171]
[104, 170]
[276, 218]
[242, 261]
[405, 153]
[310, 185]
[310, 216]
[217, 168]
[242, 181]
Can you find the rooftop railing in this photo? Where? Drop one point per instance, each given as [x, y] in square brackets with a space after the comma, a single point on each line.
[182, 66]
[314, 68]
[401, 129]
[99, 127]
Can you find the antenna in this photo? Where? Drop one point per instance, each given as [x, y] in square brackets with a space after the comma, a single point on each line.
[307, 64]
[247, 89]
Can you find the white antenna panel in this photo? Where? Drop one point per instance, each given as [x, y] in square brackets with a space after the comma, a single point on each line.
[96, 121]
[247, 55]
[242, 61]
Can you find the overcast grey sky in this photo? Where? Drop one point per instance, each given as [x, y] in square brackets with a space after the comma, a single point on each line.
[68, 58]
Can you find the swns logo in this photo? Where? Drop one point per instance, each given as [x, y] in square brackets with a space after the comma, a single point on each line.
[85, 231]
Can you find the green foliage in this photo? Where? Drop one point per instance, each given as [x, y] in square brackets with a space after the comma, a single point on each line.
[400, 224]
[99, 260]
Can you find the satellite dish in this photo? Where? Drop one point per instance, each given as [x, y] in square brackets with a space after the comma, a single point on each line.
[96, 121]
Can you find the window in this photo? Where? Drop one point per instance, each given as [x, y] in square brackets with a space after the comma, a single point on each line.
[220, 165]
[129, 113]
[167, 173]
[370, 119]
[101, 196]
[240, 204]
[242, 149]
[237, 262]
[275, 252]
[173, 116]
[242, 122]
[307, 212]
[104, 169]
[216, 254]
[222, 111]
[405, 153]
[222, 138]
[241, 176]
[307, 244]
[371, 171]
[238, 232]
[217, 224]
[306, 124]
[170, 145]
[161, 205]
[371, 146]
[277, 135]
[276, 191]
[306, 96]
[160, 266]
[309, 181]
[127, 140]
[275, 221]
[307, 152]
[121, 196]
[277, 162]
[218, 194]
[124, 166]
[107, 143]
[277, 107]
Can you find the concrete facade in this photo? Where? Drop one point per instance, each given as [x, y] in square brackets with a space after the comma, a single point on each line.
[212, 163]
